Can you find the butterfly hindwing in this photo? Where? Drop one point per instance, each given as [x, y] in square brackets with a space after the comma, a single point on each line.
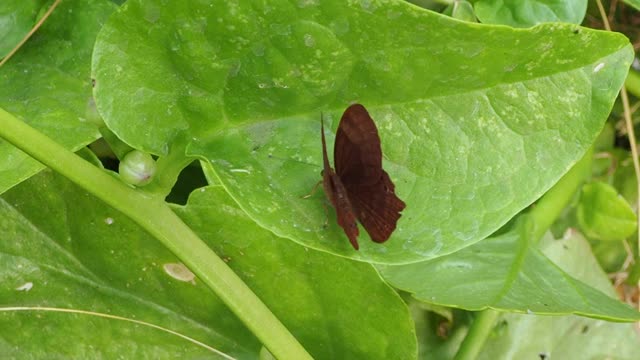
[376, 206]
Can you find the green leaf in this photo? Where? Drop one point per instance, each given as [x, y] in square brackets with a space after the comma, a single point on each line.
[47, 84]
[603, 214]
[527, 13]
[505, 272]
[472, 132]
[82, 255]
[523, 336]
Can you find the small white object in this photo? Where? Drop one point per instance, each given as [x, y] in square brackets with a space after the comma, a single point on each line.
[598, 67]
[179, 272]
[25, 287]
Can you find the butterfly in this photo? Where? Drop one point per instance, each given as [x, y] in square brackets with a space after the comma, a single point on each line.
[359, 188]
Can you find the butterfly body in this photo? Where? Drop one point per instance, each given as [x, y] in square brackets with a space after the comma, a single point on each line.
[359, 188]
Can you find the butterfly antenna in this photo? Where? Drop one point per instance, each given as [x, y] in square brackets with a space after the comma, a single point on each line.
[325, 157]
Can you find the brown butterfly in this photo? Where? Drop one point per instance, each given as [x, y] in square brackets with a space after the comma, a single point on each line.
[359, 188]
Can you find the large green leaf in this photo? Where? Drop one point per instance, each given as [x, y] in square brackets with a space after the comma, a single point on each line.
[523, 13]
[80, 254]
[524, 336]
[47, 84]
[472, 131]
[505, 272]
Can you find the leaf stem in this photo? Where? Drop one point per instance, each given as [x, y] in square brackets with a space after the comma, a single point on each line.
[477, 336]
[154, 215]
[168, 170]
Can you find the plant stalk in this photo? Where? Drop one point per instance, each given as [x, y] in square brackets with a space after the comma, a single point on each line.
[477, 335]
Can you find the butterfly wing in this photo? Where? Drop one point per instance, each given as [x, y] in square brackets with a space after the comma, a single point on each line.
[376, 206]
[358, 161]
[357, 155]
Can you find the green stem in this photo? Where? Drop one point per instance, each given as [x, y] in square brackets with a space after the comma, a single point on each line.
[477, 336]
[168, 170]
[551, 204]
[155, 216]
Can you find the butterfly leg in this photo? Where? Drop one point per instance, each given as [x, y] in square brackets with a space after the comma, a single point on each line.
[313, 191]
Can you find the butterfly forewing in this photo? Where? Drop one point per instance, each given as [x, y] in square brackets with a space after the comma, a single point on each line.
[357, 154]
